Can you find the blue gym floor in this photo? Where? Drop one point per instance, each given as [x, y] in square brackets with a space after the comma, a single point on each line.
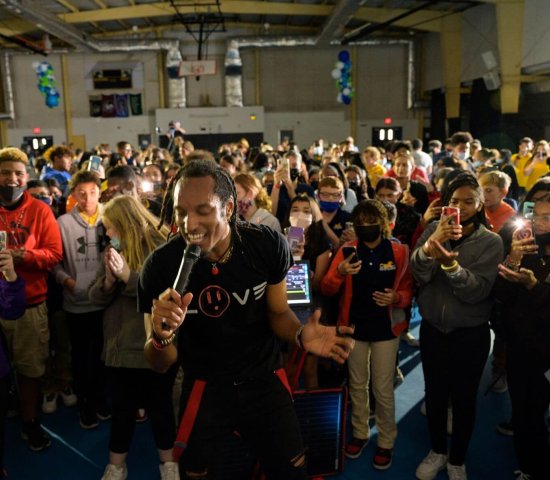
[77, 454]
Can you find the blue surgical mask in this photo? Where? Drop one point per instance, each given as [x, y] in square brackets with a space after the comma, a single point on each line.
[329, 207]
[44, 198]
[115, 243]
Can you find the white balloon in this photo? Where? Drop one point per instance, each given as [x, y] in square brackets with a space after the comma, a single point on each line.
[336, 74]
[339, 98]
[340, 65]
[346, 91]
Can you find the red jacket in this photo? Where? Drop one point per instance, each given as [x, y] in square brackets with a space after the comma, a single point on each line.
[32, 225]
[403, 285]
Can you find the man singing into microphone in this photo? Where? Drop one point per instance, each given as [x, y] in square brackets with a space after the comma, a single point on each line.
[224, 330]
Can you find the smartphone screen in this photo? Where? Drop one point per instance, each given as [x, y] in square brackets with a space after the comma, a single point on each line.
[3, 240]
[94, 164]
[528, 209]
[347, 251]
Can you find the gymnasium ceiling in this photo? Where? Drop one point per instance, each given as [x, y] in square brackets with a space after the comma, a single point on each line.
[74, 25]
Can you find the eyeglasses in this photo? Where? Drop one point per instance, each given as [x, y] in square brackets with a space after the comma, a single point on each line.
[334, 196]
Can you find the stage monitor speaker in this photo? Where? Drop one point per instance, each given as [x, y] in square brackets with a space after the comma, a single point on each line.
[322, 417]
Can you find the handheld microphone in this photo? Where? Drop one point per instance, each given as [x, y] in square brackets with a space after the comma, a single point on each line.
[190, 257]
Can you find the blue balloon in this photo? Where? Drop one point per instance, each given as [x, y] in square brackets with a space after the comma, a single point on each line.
[346, 100]
[343, 56]
[52, 101]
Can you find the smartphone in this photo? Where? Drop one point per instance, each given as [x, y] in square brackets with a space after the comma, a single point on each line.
[525, 231]
[3, 240]
[283, 162]
[94, 164]
[453, 212]
[349, 225]
[347, 251]
[528, 208]
[295, 236]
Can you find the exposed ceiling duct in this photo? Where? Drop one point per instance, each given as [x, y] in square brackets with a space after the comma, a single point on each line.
[365, 31]
[48, 22]
[7, 88]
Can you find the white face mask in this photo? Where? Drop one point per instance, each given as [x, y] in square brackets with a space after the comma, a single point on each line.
[463, 155]
[301, 219]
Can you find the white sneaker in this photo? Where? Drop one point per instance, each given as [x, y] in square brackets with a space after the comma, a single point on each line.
[115, 472]
[521, 475]
[169, 471]
[456, 472]
[431, 466]
[68, 396]
[49, 403]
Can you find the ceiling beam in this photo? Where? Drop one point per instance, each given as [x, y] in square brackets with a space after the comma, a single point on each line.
[426, 20]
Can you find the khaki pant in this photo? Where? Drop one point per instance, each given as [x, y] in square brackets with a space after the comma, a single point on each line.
[377, 358]
[27, 339]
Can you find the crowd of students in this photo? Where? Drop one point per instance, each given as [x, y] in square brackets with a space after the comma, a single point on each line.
[78, 234]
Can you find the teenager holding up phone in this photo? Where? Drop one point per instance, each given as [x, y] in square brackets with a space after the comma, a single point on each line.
[377, 287]
[455, 265]
[523, 286]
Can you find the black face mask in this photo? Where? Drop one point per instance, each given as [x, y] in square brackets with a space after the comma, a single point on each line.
[367, 233]
[294, 173]
[11, 194]
[542, 240]
[472, 219]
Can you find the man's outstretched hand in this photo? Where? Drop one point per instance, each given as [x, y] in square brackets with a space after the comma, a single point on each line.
[329, 342]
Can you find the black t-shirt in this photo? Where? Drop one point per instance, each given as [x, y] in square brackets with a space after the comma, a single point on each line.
[226, 333]
[372, 323]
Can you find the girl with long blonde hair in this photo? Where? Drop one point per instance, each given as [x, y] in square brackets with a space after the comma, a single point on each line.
[133, 234]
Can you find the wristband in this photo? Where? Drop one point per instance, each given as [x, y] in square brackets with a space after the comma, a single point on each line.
[512, 265]
[423, 255]
[162, 343]
[452, 266]
[298, 337]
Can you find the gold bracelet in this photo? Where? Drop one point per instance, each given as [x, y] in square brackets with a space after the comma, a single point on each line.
[450, 267]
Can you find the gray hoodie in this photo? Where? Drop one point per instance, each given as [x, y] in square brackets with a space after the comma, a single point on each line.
[448, 303]
[83, 247]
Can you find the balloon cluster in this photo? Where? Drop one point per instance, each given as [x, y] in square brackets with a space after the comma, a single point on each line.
[46, 83]
[342, 73]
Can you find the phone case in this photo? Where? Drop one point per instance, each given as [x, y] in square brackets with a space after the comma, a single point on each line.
[451, 212]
